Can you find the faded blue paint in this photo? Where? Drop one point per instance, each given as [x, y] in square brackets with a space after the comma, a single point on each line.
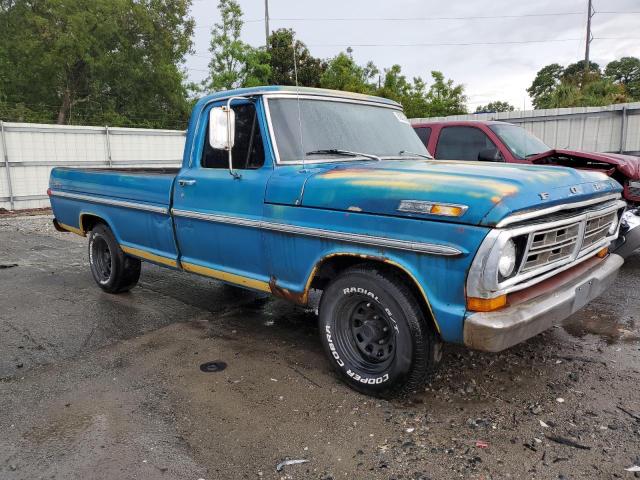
[352, 197]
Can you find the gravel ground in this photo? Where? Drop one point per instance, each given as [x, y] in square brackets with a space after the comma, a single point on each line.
[95, 386]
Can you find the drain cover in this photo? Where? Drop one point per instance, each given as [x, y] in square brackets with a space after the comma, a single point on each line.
[211, 367]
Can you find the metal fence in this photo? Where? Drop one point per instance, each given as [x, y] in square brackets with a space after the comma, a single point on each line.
[29, 152]
[614, 128]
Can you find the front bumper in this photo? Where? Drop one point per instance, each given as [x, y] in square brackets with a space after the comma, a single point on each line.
[496, 331]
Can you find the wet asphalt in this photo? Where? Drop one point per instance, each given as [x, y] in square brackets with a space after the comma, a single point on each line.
[100, 386]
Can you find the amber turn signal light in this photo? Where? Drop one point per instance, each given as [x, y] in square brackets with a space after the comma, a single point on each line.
[447, 210]
[486, 304]
[603, 253]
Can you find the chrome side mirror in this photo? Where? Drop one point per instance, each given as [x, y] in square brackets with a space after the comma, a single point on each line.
[222, 130]
[222, 126]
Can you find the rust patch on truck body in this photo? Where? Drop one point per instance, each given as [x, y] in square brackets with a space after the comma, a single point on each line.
[299, 298]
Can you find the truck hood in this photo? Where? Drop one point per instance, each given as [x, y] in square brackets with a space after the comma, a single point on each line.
[491, 191]
[627, 165]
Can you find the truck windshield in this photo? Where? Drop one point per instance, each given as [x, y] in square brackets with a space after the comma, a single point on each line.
[521, 143]
[314, 125]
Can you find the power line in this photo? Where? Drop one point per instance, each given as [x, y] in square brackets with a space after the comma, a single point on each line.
[418, 19]
[403, 19]
[443, 44]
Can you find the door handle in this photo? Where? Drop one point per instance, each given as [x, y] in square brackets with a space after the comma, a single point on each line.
[183, 182]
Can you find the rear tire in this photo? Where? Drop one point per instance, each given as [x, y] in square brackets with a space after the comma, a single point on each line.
[112, 269]
[375, 334]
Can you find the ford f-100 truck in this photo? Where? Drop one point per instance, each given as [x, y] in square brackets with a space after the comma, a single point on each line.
[285, 190]
[496, 141]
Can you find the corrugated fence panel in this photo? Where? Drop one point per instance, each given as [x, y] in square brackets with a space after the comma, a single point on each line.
[34, 149]
[597, 129]
[632, 143]
[136, 145]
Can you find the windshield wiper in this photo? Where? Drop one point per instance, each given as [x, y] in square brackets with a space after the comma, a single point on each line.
[414, 154]
[344, 153]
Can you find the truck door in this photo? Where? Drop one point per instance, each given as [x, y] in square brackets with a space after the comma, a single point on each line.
[216, 215]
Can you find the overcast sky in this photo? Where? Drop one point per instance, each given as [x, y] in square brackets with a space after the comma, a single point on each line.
[377, 29]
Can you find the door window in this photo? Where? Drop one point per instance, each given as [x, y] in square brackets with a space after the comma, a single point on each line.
[462, 143]
[247, 151]
[424, 133]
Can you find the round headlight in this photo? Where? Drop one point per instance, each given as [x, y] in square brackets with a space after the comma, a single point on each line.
[507, 263]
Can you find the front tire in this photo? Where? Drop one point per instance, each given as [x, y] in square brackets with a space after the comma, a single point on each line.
[374, 333]
[112, 269]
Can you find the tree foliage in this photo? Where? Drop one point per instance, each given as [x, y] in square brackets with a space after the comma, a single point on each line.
[626, 72]
[83, 61]
[544, 84]
[234, 63]
[555, 86]
[443, 97]
[495, 107]
[281, 48]
[343, 73]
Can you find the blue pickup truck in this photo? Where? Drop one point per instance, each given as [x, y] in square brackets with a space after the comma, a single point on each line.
[285, 190]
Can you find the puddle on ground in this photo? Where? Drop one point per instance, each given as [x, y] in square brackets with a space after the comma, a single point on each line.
[612, 328]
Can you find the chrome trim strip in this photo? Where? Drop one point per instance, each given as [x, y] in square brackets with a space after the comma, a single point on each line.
[519, 217]
[108, 201]
[419, 247]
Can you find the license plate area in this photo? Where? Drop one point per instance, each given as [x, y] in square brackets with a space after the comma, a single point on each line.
[582, 294]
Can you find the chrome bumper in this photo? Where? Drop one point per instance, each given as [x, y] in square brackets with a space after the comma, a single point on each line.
[496, 331]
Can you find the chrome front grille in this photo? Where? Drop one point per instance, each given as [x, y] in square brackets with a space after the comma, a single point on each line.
[557, 239]
[550, 246]
[562, 242]
[597, 229]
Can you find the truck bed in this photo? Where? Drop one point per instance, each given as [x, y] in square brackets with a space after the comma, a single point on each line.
[146, 185]
[136, 200]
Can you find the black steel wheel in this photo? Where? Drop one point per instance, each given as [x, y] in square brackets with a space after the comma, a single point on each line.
[366, 333]
[112, 269]
[375, 334]
[102, 259]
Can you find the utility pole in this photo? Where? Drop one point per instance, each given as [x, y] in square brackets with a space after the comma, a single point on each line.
[590, 14]
[266, 23]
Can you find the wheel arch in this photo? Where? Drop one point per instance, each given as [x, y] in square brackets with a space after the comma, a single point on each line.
[88, 220]
[332, 264]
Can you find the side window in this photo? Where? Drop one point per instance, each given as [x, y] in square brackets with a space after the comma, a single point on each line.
[463, 143]
[247, 151]
[424, 133]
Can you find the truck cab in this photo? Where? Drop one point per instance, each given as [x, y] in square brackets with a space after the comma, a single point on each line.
[287, 190]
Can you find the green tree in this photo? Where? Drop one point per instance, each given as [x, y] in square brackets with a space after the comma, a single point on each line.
[412, 95]
[545, 83]
[557, 87]
[82, 61]
[395, 85]
[495, 107]
[444, 97]
[575, 73]
[626, 71]
[343, 73]
[281, 49]
[234, 63]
